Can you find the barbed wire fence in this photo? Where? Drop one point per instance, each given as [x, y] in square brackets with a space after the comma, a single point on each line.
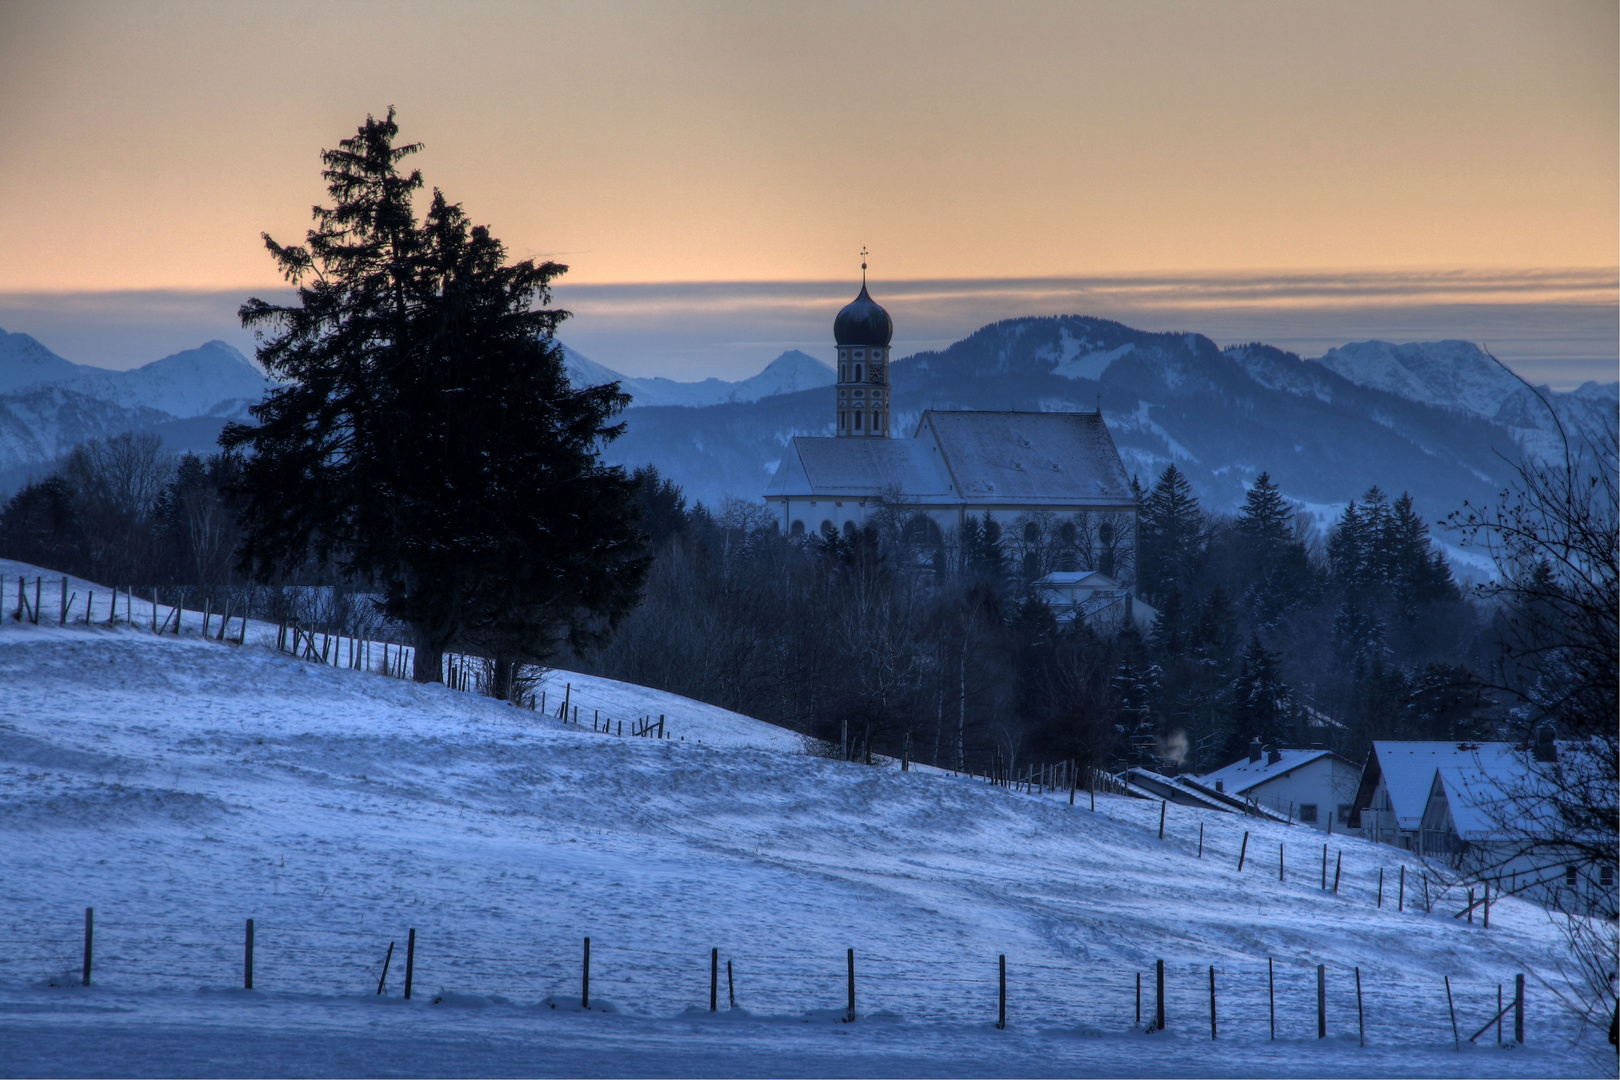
[1222, 999]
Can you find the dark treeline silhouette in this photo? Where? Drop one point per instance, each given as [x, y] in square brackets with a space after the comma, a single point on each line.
[891, 642]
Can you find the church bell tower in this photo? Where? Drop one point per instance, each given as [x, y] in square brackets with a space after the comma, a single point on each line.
[862, 331]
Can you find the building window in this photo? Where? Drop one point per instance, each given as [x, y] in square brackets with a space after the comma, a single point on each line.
[1105, 533]
[1307, 813]
[1069, 533]
[1032, 532]
[858, 416]
[1220, 785]
[849, 530]
[827, 529]
[1606, 876]
[857, 373]
[1344, 813]
[797, 528]
[1572, 876]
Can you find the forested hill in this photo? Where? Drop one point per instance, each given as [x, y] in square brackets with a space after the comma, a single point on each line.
[1222, 416]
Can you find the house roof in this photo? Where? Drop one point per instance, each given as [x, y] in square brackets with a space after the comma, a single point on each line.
[860, 468]
[1408, 768]
[1030, 458]
[1244, 775]
[1062, 579]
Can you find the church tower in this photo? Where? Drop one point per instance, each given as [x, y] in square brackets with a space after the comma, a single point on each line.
[862, 332]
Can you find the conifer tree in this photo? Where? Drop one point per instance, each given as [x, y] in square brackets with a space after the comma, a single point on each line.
[425, 439]
[1171, 537]
[1261, 704]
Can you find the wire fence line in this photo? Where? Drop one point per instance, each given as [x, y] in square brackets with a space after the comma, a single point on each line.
[1245, 1000]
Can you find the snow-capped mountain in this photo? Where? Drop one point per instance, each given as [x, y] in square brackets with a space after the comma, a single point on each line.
[25, 362]
[212, 380]
[1459, 375]
[789, 373]
[1222, 416]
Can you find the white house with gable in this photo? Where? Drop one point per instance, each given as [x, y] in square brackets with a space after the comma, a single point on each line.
[1312, 787]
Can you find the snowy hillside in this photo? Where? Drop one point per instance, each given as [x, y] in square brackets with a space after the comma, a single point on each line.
[787, 374]
[180, 786]
[24, 362]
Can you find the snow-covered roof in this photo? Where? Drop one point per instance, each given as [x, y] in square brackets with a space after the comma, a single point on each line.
[1089, 579]
[1242, 776]
[1030, 458]
[860, 468]
[1476, 789]
[1407, 770]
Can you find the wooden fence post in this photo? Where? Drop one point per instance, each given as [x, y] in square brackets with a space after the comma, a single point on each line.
[1324, 867]
[1271, 995]
[62, 613]
[1338, 865]
[247, 957]
[1380, 887]
[1001, 1015]
[851, 1017]
[1138, 999]
[1162, 806]
[1400, 902]
[1518, 1009]
[386, 961]
[714, 980]
[1200, 839]
[1321, 1001]
[1361, 1023]
[1280, 862]
[1452, 1009]
[731, 986]
[1243, 851]
[90, 934]
[585, 982]
[1212, 1001]
[1158, 1008]
[410, 961]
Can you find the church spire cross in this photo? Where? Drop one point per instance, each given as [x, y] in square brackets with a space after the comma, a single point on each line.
[863, 266]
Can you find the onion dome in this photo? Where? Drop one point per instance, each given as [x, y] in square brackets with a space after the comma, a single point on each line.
[863, 322]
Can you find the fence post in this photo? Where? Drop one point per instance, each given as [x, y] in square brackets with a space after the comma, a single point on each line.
[90, 933]
[714, 980]
[1321, 1001]
[585, 983]
[1158, 1009]
[1338, 866]
[1271, 995]
[1138, 999]
[388, 959]
[62, 614]
[1162, 805]
[1200, 839]
[1380, 887]
[1452, 1009]
[1324, 867]
[410, 961]
[1400, 903]
[1243, 852]
[1487, 905]
[1212, 1001]
[851, 1017]
[247, 958]
[731, 986]
[1001, 1016]
[1361, 1023]
[1280, 862]
[1518, 1009]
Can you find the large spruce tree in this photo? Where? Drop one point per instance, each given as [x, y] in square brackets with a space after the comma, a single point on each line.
[426, 439]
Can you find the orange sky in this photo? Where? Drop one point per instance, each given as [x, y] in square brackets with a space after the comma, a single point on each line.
[145, 146]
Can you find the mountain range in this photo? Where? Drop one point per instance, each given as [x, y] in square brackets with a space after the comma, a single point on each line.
[1439, 419]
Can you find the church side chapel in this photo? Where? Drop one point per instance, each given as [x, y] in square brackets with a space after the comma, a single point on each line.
[1050, 483]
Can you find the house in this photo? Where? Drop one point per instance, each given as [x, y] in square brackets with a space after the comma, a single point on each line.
[1093, 597]
[1312, 787]
[1451, 801]
[1050, 483]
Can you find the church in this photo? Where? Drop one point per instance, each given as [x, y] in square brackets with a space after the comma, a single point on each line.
[1052, 481]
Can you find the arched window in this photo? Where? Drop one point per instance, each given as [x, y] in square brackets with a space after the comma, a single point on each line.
[922, 531]
[1069, 533]
[1105, 562]
[827, 529]
[1105, 533]
[858, 416]
[1032, 532]
[849, 530]
[1032, 566]
[797, 528]
[857, 373]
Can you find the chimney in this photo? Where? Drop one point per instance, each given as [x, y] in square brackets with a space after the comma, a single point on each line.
[1254, 751]
[1274, 756]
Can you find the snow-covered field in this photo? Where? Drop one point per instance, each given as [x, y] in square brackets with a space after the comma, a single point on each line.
[180, 786]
